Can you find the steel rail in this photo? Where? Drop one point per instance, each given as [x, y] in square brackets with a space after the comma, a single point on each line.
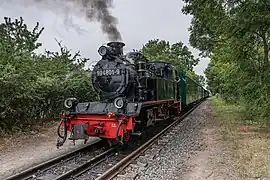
[28, 173]
[121, 165]
[82, 168]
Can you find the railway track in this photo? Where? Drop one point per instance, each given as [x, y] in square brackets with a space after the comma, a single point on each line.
[94, 161]
[67, 164]
[111, 167]
[125, 162]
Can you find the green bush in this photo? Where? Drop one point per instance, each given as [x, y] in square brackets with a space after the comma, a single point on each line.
[34, 86]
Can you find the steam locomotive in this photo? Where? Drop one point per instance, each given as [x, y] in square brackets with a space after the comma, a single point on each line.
[134, 94]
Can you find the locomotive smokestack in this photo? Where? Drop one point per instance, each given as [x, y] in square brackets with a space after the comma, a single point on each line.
[117, 47]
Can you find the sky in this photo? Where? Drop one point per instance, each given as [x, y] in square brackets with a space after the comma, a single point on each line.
[138, 22]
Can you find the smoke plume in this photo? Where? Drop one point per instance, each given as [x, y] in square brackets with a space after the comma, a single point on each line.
[99, 10]
[93, 10]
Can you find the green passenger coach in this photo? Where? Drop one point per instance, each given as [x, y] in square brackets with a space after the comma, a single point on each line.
[190, 90]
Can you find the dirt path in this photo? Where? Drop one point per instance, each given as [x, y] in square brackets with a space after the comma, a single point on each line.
[21, 152]
[213, 161]
[232, 150]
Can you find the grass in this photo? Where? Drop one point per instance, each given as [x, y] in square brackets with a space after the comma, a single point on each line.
[250, 144]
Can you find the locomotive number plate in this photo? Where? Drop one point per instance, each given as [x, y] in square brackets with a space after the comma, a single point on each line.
[110, 72]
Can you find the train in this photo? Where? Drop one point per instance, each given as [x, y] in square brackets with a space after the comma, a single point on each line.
[134, 93]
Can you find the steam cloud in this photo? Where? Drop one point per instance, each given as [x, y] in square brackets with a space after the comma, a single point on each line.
[99, 10]
[94, 10]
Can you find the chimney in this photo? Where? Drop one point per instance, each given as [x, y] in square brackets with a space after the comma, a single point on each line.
[117, 47]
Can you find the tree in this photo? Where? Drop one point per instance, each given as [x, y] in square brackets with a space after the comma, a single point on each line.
[178, 54]
[235, 35]
[208, 22]
[15, 38]
[34, 86]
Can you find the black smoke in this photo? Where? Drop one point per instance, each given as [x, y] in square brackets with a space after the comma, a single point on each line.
[93, 10]
[99, 10]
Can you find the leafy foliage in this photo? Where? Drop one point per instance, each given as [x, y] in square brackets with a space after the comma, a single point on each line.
[236, 36]
[34, 86]
[178, 54]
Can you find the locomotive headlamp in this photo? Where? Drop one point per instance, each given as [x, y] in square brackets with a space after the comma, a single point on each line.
[70, 103]
[102, 50]
[118, 102]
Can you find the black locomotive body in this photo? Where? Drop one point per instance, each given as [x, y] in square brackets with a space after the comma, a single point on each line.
[132, 77]
[134, 93]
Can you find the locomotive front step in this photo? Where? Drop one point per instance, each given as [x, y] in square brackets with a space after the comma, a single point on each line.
[136, 134]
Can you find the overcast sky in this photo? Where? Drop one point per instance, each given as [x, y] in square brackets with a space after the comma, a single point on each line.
[139, 21]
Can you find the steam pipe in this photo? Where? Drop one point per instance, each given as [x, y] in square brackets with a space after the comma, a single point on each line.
[61, 142]
[117, 130]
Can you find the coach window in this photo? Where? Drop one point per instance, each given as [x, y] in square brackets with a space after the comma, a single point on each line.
[168, 72]
[176, 75]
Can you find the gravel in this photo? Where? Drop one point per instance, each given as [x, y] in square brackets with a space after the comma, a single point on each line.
[25, 151]
[65, 166]
[100, 168]
[167, 159]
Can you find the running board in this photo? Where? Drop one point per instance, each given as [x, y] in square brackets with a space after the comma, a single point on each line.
[136, 134]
